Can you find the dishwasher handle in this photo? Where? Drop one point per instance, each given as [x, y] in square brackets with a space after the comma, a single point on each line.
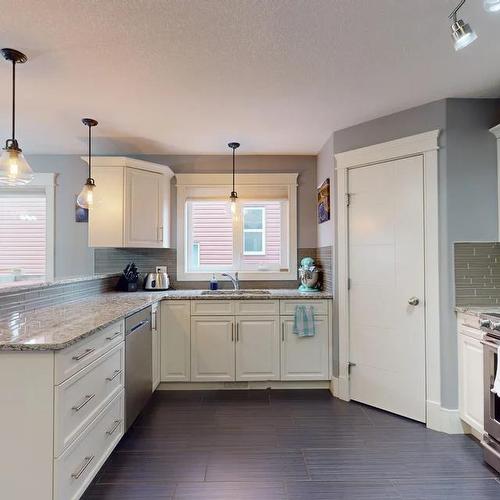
[139, 325]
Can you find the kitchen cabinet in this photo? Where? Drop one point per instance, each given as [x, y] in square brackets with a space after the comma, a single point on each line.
[131, 204]
[257, 348]
[305, 358]
[470, 376]
[175, 341]
[212, 349]
[156, 344]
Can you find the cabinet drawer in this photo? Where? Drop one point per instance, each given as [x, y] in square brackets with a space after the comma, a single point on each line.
[212, 307]
[75, 469]
[257, 307]
[287, 307]
[80, 398]
[72, 359]
[470, 320]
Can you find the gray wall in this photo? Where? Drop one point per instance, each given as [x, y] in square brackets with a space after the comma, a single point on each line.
[467, 172]
[74, 258]
[325, 170]
[72, 255]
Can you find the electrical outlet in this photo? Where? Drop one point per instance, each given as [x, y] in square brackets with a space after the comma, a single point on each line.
[161, 269]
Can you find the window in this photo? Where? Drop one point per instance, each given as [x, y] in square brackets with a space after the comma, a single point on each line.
[26, 222]
[259, 241]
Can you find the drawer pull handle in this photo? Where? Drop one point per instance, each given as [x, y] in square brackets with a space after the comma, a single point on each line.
[117, 334]
[115, 374]
[117, 424]
[84, 354]
[88, 398]
[88, 461]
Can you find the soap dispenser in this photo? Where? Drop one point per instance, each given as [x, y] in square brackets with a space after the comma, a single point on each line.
[214, 285]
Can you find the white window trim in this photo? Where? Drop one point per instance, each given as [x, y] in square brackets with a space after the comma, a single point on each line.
[262, 230]
[186, 182]
[46, 183]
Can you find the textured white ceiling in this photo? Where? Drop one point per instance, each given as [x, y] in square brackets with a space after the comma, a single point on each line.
[187, 76]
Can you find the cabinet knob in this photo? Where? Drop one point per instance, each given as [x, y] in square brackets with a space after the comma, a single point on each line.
[413, 301]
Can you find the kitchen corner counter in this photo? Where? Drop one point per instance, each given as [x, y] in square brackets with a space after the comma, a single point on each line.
[477, 310]
[57, 327]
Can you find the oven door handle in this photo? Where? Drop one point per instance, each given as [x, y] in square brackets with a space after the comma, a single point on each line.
[490, 344]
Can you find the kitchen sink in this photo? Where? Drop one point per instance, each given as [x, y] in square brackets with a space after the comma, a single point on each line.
[236, 292]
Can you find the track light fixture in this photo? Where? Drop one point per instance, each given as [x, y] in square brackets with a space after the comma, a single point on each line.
[461, 32]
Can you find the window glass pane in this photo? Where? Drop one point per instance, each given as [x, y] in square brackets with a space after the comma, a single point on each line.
[253, 218]
[211, 230]
[253, 242]
[22, 235]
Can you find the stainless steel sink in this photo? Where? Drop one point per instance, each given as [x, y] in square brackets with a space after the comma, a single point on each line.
[236, 292]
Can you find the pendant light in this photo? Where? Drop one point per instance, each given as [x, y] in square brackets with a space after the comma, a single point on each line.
[461, 32]
[234, 195]
[14, 169]
[86, 197]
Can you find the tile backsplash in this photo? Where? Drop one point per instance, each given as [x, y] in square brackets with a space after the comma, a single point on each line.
[477, 274]
[110, 260]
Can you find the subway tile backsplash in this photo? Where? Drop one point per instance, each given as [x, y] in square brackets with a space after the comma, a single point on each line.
[477, 274]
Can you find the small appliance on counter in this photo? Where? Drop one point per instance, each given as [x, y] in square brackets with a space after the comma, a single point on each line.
[309, 275]
[158, 280]
[129, 278]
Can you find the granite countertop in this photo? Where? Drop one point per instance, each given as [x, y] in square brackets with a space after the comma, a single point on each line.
[57, 327]
[477, 310]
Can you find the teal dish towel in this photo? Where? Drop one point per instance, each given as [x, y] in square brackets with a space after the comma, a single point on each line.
[303, 322]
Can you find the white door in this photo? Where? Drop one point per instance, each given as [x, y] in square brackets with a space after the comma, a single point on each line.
[212, 349]
[386, 270]
[470, 382]
[257, 348]
[144, 215]
[175, 341]
[304, 358]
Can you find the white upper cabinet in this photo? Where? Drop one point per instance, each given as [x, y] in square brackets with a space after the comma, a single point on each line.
[131, 204]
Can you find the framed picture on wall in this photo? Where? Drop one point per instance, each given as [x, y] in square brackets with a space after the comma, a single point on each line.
[324, 202]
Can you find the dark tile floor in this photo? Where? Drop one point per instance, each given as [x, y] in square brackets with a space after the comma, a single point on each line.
[287, 445]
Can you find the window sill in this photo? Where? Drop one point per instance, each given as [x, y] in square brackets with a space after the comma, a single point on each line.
[242, 275]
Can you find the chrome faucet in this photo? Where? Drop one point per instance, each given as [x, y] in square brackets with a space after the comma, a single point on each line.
[234, 280]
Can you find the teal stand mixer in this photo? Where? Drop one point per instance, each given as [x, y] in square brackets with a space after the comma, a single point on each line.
[309, 275]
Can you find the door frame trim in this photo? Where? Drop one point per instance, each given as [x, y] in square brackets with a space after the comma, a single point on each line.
[425, 145]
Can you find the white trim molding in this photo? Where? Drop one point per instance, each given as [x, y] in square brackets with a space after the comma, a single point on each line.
[425, 145]
[496, 132]
[253, 186]
[125, 161]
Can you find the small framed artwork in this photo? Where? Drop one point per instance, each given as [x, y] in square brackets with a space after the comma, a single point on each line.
[81, 214]
[324, 202]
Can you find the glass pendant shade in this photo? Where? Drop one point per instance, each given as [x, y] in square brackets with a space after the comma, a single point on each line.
[14, 169]
[462, 34]
[86, 197]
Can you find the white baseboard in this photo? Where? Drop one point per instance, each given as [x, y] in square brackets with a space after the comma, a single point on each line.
[207, 386]
[339, 387]
[443, 419]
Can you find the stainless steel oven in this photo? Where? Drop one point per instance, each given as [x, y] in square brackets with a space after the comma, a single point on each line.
[490, 324]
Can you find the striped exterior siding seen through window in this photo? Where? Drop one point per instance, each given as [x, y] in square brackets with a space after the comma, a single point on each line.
[22, 233]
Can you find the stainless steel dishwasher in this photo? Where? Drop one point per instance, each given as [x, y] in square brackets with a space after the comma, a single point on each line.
[138, 363]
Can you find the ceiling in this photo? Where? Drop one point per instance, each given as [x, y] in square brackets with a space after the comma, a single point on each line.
[187, 76]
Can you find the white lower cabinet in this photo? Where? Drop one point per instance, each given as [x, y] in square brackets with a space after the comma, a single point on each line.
[175, 317]
[212, 349]
[305, 358]
[155, 345]
[257, 348]
[470, 364]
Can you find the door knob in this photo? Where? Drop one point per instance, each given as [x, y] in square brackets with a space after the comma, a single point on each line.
[413, 301]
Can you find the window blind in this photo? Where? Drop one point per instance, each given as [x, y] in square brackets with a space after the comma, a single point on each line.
[23, 219]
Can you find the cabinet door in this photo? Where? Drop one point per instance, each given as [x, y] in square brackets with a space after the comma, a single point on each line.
[304, 358]
[143, 209]
[257, 348]
[212, 349]
[470, 373]
[106, 214]
[175, 341]
[156, 342]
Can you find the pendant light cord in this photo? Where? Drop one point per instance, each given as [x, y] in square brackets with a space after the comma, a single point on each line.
[14, 102]
[233, 168]
[90, 150]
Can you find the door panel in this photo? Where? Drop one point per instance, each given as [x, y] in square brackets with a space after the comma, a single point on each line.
[257, 348]
[212, 349]
[304, 358]
[386, 268]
